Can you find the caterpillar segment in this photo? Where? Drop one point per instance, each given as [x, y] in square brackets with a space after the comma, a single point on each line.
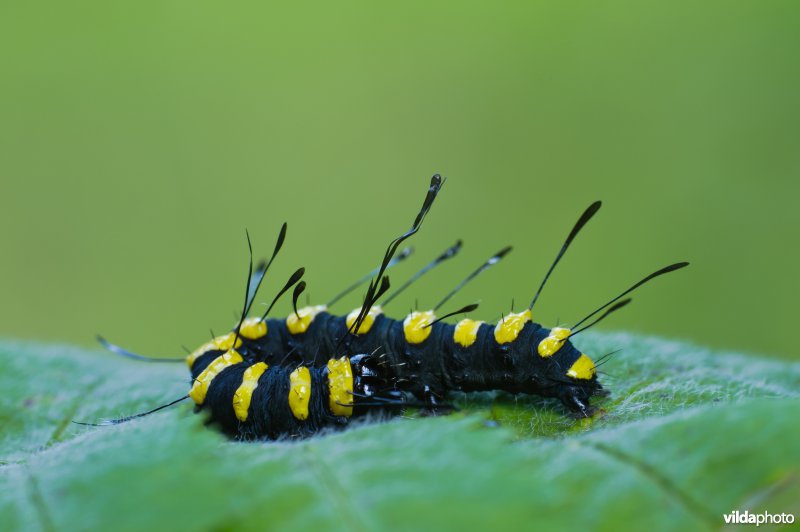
[254, 400]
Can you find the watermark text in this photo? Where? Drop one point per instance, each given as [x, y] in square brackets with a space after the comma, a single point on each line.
[763, 518]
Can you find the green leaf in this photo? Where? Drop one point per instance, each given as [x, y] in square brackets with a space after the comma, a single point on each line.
[687, 435]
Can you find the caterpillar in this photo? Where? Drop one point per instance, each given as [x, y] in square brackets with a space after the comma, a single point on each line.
[270, 377]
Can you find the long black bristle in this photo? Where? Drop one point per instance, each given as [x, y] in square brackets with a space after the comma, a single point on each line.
[662, 271]
[585, 217]
[494, 259]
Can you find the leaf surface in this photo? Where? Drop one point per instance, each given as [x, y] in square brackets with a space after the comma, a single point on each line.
[688, 435]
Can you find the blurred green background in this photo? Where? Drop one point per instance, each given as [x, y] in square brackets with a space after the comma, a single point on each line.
[139, 140]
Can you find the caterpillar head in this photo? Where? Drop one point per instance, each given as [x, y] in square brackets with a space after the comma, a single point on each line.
[564, 371]
[373, 379]
[546, 362]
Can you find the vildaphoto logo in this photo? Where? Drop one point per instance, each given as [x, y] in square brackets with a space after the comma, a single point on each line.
[765, 518]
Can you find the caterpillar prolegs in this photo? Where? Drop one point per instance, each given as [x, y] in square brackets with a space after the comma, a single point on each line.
[271, 377]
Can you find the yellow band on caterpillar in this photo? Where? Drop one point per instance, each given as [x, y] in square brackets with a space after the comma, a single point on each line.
[300, 392]
[466, 332]
[244, 393]
[583, 368]
[416, 326]
[507, 329]
[369, 319]
[253, 328]
[550, 345]
[299, 323]
[220, 343]
[340, 387]
[200, 385]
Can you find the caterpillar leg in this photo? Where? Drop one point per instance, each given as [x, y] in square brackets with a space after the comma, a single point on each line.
[434, 403]
[578, 404]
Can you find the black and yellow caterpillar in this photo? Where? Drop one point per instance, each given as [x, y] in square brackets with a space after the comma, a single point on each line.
[290, 377]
